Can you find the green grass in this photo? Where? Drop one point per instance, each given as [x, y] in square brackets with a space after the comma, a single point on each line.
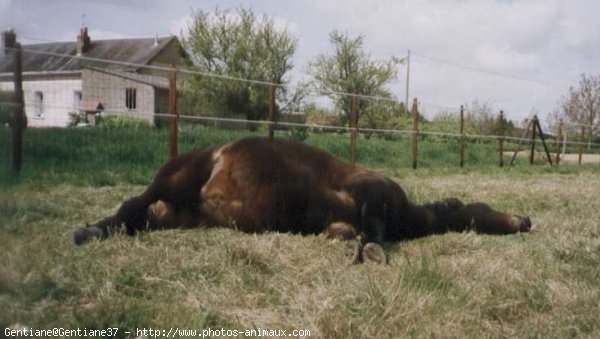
[109, 156]
[98, 156]
[541, 284]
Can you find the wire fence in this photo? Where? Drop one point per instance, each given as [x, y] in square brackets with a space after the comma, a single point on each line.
[95, 92]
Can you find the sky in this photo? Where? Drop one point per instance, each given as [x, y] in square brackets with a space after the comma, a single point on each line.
[518, 56]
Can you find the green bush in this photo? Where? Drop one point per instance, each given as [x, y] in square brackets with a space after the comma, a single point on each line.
[298, 134]
[5, 108]
[75, 118]
[114, 121]
[5, 117]
[320, 116]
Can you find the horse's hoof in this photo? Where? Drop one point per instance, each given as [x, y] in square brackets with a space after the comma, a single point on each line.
[373, 252]
[521, 224]
[80, 236]
[354, 252]
[83, 235]
[525, 225]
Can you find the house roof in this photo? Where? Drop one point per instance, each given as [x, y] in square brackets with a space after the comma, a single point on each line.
[46, 57]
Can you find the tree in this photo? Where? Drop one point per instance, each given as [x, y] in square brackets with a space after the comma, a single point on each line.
[350, 70]
[236, 45]
[321, 116]
[448, 122]
[480, 118]
[581, 106]
[386, 114]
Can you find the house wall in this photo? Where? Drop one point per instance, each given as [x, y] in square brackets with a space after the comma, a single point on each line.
[58, 98]
[110, 90]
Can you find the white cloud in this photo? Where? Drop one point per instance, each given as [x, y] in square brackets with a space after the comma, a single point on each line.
[180, 26]
[95, 34]
[503, 58]
[105, 35]
[5, 14]
[547, 40]
[285, 24]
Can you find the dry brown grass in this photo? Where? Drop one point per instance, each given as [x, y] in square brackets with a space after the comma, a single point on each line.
[542, 284]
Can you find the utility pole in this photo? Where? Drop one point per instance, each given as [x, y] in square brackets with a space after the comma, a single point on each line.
[407, 78]
[415, 134]
[501, 139]
[19, 119]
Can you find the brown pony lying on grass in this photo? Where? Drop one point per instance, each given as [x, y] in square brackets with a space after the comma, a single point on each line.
[257, 185]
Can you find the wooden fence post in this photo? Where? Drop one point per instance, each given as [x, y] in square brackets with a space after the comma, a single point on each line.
[581, 143]
[501, 139]
[533, 132]
[543, 139]
[271, 110]
[462, 136]
[353, 130]
[558, 140]
[18, 115]
[173, 112]
[520, 143]
[415, 138]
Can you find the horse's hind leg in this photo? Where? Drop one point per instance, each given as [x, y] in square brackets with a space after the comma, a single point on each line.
[483, 219]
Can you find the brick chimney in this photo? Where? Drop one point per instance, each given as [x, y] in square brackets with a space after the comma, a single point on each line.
[83, 41]
[9, 40]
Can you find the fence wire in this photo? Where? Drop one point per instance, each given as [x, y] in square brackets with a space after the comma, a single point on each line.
[99, 92]
[168, 116]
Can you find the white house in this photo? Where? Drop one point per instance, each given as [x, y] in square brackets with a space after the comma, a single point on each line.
[64, 77]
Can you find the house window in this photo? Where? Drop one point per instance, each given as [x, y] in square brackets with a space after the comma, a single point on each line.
[77, 100]
[130, 98]
[38, 104]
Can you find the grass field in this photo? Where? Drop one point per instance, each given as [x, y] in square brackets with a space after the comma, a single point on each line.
[536, 285]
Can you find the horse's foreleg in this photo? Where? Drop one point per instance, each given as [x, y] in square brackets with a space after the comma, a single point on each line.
[165, 216]
[359, 250]
[100, 230]
[133, 213]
